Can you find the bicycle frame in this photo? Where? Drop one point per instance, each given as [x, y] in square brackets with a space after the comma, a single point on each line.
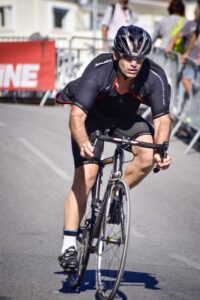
[93, 233]
[116, 174]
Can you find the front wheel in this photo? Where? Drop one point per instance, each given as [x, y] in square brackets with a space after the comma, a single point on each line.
[113, 241]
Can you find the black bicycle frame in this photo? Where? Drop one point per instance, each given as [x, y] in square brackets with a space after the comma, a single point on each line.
[116, 174]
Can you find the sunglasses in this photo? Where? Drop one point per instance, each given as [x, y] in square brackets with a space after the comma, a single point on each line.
[138, 59]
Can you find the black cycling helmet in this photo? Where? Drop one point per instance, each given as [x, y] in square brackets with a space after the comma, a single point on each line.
[132, 41]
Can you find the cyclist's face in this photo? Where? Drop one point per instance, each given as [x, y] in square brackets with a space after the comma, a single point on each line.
[130, 66]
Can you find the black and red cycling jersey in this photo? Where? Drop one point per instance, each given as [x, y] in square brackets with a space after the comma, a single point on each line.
[96, 89]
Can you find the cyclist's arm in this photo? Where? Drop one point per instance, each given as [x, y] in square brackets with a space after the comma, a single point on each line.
[160, 101]
[186, 54]
[162, 126]
[172, 41]
[105, 25]
[104, 33]
[78, 131]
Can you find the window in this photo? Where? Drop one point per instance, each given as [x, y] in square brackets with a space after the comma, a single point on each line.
[59, 15]
[5, 17]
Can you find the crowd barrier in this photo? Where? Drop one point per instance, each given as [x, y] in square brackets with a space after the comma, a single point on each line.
[74, 54]
[188, 109]
[184, 109]
[170, 62]
[80, 52]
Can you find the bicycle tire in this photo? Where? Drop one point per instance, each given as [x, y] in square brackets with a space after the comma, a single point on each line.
[83, 247]
[113, 244]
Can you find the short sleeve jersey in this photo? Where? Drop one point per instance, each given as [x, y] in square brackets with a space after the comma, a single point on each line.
[164, 29]
[96, 90]
[189, 28]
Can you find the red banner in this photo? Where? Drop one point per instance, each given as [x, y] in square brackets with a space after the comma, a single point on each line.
[27, 65]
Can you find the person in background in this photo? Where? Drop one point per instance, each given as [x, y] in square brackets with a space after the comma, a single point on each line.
[187, 32]
[192, 53]
[170, 25]
[190, 32]
[116, 15]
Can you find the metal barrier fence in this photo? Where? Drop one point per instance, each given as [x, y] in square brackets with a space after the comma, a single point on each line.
[170, 62]
[73, 56]
[189, 107]
[80, 52]
[60, 42]
[185, 110]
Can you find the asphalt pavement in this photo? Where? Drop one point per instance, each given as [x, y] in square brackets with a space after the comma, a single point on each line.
[36, 170]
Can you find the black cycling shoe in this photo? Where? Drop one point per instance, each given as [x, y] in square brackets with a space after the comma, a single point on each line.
[68, 260]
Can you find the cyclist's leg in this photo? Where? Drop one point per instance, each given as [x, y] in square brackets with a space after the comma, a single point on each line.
[74, 210]
[139, 129]
[142, 163]
[84, 178]
[75, 203]
[85, 175]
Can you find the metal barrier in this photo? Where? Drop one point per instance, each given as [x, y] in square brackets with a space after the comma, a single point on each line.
[170, 62]
[189, 109]
[60, 42]
[73, 55]
[80, 52]
[185, 111]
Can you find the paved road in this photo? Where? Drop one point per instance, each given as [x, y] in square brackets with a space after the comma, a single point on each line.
[36, 170]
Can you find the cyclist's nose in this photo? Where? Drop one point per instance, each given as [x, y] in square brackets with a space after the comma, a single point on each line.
[133, 63]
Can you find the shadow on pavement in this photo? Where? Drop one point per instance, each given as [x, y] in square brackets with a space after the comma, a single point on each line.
[149, 281]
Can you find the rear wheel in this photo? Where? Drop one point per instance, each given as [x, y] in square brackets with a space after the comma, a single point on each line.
[113, 242]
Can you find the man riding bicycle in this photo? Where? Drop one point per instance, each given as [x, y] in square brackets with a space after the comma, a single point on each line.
[107, 96]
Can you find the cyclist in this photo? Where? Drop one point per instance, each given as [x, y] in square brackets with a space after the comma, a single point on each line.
[107, 96]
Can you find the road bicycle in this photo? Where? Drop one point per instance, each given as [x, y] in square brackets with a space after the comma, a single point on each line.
[104, 229]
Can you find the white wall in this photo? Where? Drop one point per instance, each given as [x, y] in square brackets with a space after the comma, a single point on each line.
[36, 15]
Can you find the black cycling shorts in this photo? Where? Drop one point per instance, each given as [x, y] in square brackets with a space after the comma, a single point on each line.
[127, 127]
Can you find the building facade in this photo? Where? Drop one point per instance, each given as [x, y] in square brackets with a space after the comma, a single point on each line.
[65, 18]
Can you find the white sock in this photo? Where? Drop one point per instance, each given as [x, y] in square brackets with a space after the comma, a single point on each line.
[69, 239]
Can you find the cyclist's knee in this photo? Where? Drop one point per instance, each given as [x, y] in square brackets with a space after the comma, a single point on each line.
[146, 160]
[141, 169]
[85, 177]
[144, 156]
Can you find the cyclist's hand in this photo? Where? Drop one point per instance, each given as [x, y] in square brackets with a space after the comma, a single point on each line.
[162, 165]
[168, 49]
[183, 58]
[86, 149]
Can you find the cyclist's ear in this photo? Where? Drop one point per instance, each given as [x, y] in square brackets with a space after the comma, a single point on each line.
[116, 55]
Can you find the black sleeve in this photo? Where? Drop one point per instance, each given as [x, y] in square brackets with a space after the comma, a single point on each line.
[160, 93]
[84, 90]
[87, 90]
[81, 92]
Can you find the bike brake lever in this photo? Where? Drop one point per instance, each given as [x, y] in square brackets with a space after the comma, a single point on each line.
[163, 154]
